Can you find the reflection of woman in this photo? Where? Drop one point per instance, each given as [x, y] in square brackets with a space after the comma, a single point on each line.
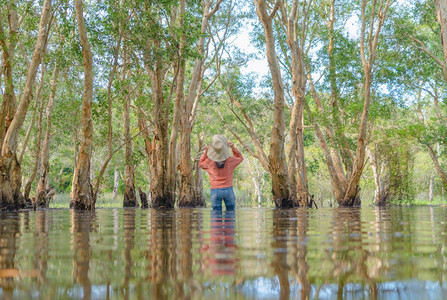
[221, 246]
[216, 160]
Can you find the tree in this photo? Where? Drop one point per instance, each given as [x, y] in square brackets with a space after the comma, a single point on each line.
[277, 160]
[345, 180]
[10, 178]
[82, 192]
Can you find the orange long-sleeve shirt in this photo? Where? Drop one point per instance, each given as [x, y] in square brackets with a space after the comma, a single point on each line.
[221, 177]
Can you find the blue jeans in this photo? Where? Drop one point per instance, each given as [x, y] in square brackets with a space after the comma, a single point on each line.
[225, 194]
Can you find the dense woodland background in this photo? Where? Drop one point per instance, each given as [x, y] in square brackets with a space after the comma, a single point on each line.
[112, 96]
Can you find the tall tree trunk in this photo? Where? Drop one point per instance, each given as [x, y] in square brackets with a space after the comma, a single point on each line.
[352, 196]
[430, 188]
[44, 155]
[33, 117]
[130, 198]
[110, 151]
[277, 161]
[9, 103]
[345, 152]
[157, 147]
[188, 197]
[82, 192]
[198, 178]
[10, 178]
[179, 98]
[296, 135]
[380, 180]
[37, 152]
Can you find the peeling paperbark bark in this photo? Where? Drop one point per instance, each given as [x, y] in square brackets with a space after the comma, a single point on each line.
[82, 191]
[298, 185]
[38, 145]
[10, 178]
[42, 189]
[188, 197]
[277, 160]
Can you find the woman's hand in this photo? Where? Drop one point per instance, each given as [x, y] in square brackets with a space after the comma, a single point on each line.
[230, 144]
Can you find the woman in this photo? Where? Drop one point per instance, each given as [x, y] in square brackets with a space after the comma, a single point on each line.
[216, 160]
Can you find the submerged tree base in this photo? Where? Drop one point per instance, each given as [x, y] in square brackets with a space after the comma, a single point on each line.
[83, 202]
[162, 202]
[191, 203]
[11, 199]
[285, 203]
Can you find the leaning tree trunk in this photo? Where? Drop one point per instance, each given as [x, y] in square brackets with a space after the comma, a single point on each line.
[352, 194]
[41, 199]
[130, 198]
[10, 171]
[442, 174]
[9, 103]
[33, 174]
[82, 192]
[277, 160]
[188, 196]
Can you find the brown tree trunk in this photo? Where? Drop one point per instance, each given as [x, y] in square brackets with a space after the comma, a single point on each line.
[32, 177]
[8, 107]
[296, 135]
[44, 155]
[82, 192]
[336, 118]
[10, 178]
[110, 151]
[33, 117]
[130, 198]
[188, 197]
[277, 160]
[179, 98]
[351, 197]
[160, 195]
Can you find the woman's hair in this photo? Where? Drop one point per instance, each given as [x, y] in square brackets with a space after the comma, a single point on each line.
[220, 164]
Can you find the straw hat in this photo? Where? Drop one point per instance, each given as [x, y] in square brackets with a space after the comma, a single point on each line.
[219, 149]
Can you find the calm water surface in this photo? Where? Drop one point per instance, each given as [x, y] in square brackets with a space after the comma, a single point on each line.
[254, 253]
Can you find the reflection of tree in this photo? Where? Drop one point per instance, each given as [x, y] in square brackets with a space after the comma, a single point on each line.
[81, 224]
[170, 255]
[129, 237]
[299, 251]
[41, 247]
[190, 221]
[9, 228]
[282, 222]
[348, 254]
[161, 255]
